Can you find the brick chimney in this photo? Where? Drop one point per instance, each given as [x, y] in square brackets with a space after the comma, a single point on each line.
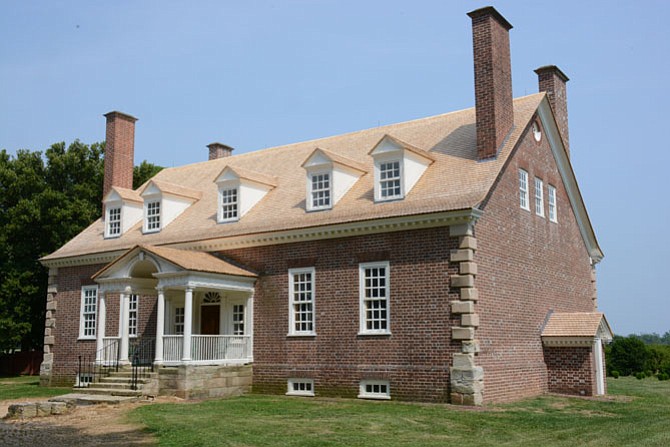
[553, 81]
[219, 150]
[119, 151]
[493, 80]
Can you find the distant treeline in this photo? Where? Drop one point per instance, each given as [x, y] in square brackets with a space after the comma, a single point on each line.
[653, 338]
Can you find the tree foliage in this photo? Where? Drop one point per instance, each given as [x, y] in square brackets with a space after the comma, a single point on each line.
[45, 200]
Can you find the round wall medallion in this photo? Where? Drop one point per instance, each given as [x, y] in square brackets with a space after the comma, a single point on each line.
[537, 133]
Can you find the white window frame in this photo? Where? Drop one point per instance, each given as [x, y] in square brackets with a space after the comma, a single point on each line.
[159, 216]
[179, 319]
[306, 384]
[366, 389]
[378, 179]
[363, 303]
[118, 221]
[292, 302]
[133, 315]
[553, 211]
[539, 197]
[328, 191]
[222, 193]
[85, 313]
[524, 203]
[238, 318]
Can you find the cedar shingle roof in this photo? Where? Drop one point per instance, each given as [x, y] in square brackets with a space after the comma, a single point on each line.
[576, 324]
[455, 181]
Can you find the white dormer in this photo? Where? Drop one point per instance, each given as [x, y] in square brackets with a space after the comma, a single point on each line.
[329, 177]
[164, 202]
[398, 166]
[239, 190]
[123, 209]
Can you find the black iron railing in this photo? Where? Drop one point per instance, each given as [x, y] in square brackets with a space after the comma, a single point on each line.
[92, 367]
[141, 353]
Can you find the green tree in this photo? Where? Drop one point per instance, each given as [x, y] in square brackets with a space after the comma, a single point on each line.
[627, 355]
[44, 202]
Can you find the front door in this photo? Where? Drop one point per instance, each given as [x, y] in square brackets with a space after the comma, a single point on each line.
[209, 320]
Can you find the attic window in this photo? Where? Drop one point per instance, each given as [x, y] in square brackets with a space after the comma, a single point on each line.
[153, 215]
[398, 168]
[390, 180]
[113, 222]
[229, 205]
[320, 191]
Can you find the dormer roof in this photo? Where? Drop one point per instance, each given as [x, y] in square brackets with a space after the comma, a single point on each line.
[398, 144]
[124, 194]
[231, 173]
[322, 156]
[160, 186]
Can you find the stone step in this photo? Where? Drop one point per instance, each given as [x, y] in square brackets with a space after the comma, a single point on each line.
[129, 374]
[115, 386]
[114, 379]
[91, 399]
[113, 392]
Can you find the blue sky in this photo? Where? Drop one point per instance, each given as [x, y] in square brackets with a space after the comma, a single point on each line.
[265, 73]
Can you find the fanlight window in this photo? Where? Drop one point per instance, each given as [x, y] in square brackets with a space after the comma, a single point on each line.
[212, 298]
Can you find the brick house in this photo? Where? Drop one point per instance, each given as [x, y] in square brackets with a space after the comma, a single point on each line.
[446, 259]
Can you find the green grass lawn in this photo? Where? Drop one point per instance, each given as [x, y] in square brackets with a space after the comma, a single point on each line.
[637, 413]
[27, 387]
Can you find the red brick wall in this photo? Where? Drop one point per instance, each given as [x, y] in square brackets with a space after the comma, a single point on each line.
[570, 370]
[119, 151]
[415, 357]
[527, 265]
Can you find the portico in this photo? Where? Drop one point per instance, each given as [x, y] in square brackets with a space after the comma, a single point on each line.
[204, 307]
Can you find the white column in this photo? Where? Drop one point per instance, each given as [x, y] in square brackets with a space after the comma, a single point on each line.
[600, 379]
[249, 324]
[188, 324]
[100, 334]
[160, 326]
[125, 310]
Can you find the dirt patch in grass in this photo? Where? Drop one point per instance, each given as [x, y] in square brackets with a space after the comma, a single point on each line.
[94, 425]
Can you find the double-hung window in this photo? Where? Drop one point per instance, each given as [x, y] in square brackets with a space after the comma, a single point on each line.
[539, 197]
[179, 321]
[320, 193]
[88, 315]
[238, 319]
[153, 215]
[133, 303]
[301, 301]
[374, 292]
[229, 204]
[390, 180]
[552, 204]
[523, 190]
[114, 222]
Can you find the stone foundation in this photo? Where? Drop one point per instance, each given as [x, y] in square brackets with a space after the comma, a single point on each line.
[199, 382]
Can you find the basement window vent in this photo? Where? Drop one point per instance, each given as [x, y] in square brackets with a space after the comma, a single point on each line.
[83, 380]
[300, 387]
[374, 389]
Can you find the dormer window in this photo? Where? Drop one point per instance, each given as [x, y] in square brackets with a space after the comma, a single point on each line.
[153, 216]
[229, 204]
[164, 202]
[123, 209]
[390, 180]
[239, 191]
[398, 166]
[114, 222]
[320, 193]
[329, 177]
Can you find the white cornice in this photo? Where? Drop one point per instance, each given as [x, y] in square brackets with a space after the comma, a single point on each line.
[384, 225]
[569, 180]
[578, 342]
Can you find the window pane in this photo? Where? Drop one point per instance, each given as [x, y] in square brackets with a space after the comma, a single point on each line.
[229, 204]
